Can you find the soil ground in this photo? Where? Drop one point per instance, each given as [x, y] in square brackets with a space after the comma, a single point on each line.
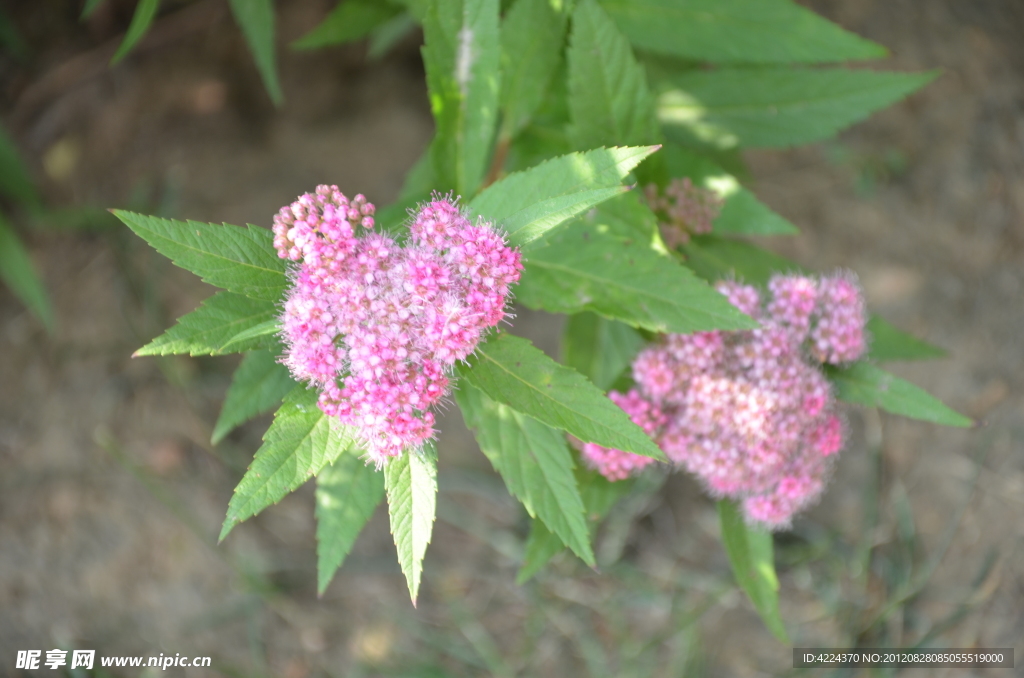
[112, 495]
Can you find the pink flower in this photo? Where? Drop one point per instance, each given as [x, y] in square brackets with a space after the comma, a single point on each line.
[747, 412]
[377, 327]
[686, 208]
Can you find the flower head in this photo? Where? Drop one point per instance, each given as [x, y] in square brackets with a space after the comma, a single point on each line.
[377, 327]
[686, 209]
[750, 413]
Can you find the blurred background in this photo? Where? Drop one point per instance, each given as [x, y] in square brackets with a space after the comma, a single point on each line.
[112, 496]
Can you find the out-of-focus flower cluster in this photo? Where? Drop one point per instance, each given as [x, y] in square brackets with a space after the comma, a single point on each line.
[377, 326]
[685, 210]
[750, 412]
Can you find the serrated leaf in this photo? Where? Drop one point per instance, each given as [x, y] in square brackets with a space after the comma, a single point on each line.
[779, 106]
[259, 384]
[347, 493]
[532, 34]
[742, 213]
[865, 384]
[511, 371]
[750, 554]
[216, 328]
[889, 343]
[598, 348]
[523, 202]
[534, 461]
[256, 19]
[737, 31]
[714, 258]
[599, 496]
[461, 54]
[411, 483]
[15, 182]
[17, 271]
[526, 227]
[628, 216]
[587, 267]
[262, 334]
[348, 21]
[300, 442]
[609, 101]
[240, 260]
[142, 19]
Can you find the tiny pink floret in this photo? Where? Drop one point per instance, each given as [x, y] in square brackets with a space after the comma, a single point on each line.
[376, 327]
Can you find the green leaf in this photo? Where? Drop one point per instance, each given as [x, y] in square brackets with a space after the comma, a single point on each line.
[411, 483]
[532, 34]
[237, 259]
[523, 202]
[534, 461]
[609, 101]
[262, 333]
[526, 227]
[256, 19]
[864, 384]
[348, 21]
[17, 271]
[779, 106]
[15, 182]
[889, 343]
[598, 348]
[742, 213]
[389, 34]
[145, 12]
[714, 258]
[510, 370]
[750, 553]
[737, 31]
[216, 328]
[259, 384]
[461, 54]
[300, 442]
[347, 493]
[599, 496]
[628, 216]
[588, 267]
[417, 8]
[90, 7]
[420, 179]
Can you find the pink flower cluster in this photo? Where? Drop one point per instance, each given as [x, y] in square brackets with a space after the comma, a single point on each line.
[377, 326]
[689, 210]
[750, 413]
